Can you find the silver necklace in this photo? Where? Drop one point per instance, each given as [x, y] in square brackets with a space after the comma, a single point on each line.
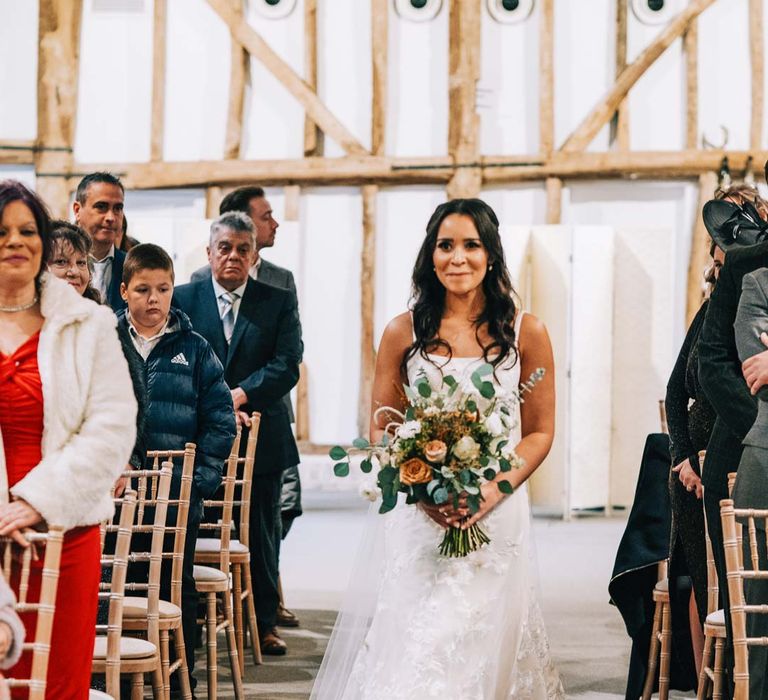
[16, 309]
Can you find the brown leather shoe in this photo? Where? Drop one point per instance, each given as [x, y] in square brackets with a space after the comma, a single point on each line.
[285, 618]
[272, 644]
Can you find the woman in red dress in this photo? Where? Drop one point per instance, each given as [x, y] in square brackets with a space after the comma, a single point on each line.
[67, 426]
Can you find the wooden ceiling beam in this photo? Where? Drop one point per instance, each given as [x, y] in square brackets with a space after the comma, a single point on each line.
[599, 116]
[356, 170]
[258, 48]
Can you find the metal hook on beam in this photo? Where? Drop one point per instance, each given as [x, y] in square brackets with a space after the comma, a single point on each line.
[711, 145]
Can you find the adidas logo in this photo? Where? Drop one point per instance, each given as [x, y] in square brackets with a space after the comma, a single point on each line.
[180, 360]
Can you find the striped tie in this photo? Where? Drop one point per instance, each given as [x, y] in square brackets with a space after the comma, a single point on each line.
[228, 314]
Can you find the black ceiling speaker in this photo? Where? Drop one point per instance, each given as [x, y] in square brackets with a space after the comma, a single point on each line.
[418, 10]
[510, 11]
[656, 11]
[274, 9]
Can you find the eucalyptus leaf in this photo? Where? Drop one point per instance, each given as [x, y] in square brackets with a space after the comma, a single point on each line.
[386, 507]
[505, 465]
[485, 369]
[410, 414]
[487, 391]
[505, 487]
[473, 503]
[472, 490]
[465, 476]
[366, 466]
[440, 496]
[489, 474]
[471, 406]
[336, 453]
[387, 475]
[361, 443]
[341, 469]
[432, 485]
[450, 381]
[424, 389]
[410, 393]
[477, 380]
[484, 461]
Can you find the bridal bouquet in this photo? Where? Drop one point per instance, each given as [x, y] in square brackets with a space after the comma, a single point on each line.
[449, 442]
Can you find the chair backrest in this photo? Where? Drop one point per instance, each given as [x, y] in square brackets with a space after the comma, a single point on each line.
[16, 563]
[242, 495]
[224, 526]
[713, 588]
[663, 417]
[179, 529]
[148, 531]
[114, 590]
[737, 573]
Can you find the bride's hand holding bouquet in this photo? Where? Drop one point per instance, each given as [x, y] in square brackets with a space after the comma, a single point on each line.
[449, 453]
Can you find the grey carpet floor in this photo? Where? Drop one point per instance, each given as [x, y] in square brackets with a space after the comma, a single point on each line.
[587, 637]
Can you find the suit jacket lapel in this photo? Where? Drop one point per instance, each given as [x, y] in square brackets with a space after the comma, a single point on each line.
[209, 314]
[249, 300]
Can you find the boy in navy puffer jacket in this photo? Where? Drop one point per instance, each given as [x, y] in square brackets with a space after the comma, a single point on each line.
[188, 399]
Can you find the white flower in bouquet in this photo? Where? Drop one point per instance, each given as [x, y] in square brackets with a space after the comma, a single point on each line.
[384, 458]
[494, 424]
[431, 411]
[409, 429]
[466, 448]
[369, 490]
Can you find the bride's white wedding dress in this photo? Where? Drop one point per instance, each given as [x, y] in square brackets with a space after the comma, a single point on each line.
[417, 625]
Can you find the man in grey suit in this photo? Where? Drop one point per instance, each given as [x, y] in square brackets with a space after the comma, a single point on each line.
[751, 489]
[252, 201]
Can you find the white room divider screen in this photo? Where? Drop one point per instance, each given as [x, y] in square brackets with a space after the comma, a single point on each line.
[606, 297]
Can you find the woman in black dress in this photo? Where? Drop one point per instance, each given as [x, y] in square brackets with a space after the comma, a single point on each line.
[690, 419]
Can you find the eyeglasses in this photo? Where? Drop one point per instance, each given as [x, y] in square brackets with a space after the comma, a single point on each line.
[64, 264]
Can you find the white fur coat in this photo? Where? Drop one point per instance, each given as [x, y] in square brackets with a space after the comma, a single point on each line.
[89, 412]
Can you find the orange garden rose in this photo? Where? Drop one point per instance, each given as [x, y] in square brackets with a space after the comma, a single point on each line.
[415, 471]
[435, 451]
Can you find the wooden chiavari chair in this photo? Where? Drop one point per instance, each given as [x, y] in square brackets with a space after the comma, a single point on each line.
[738, 571]
[136, 612]
[114, 654]
[711, 676]
[14, 556]
[214, 581]
[207, 552]
[659, 652]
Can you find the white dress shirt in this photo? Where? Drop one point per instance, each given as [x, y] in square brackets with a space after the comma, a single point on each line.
[144, 346]
[102, 273]
[223, 305]
[254, 271]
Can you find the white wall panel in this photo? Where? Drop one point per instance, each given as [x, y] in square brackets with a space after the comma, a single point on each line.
[330, 311]
[418, 89]
[115, 83]
[644, 347]
[508, 91]
[18, 69]
[197, 85]
[403, 214]
[274, 120]
[344, 63]
[584, 65]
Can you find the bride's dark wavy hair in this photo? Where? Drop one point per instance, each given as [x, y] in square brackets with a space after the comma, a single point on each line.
[428, 293]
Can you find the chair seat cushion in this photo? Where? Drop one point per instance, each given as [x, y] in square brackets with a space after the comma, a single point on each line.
[208, 573]
[136, 607]
[206, 545]
[716, 618]
[130, 648]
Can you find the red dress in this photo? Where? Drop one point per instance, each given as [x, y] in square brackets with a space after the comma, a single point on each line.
[21, 424]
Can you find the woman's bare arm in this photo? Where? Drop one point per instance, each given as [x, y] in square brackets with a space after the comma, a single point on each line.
[387, 381]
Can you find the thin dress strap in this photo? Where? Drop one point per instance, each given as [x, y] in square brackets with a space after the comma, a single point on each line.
[518, 325]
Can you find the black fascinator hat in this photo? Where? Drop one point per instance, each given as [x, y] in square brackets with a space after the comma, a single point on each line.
[734, 226]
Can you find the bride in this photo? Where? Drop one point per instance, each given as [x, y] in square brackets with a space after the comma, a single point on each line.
[415, 624]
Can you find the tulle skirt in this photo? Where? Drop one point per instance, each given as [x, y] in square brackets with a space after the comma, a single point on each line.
[453, 629]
